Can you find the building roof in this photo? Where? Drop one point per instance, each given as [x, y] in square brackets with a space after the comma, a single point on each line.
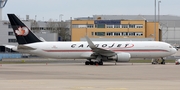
[137, 17]
[165, 20]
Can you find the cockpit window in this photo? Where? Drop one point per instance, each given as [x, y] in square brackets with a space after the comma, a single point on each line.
[170, 46]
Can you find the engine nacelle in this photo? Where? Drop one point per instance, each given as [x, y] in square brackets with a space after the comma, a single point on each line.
[121, 57]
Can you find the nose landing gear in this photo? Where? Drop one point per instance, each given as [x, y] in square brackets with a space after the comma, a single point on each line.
[156, 61]
[163, 60]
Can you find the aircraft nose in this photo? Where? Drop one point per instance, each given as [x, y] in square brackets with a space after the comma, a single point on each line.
[174, 50]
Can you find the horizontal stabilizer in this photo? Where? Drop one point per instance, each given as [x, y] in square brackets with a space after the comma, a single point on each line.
[42, 39]
[22, 47]
[9, 46]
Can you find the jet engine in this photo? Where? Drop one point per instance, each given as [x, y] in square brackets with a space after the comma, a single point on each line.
[121, 57]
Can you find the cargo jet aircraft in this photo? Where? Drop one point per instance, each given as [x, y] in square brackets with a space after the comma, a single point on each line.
[95, 52]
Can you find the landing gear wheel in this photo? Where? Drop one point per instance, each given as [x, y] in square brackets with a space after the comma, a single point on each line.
[96, 63]
[100, 63]
[87, 63]
[91, 63]
[163, 61]
[154, 61]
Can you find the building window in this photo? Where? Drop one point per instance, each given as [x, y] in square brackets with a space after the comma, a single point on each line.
[49, 28]
[11, 33]
[100, 33]
[117, 26]
[90, 26]
[109, 33]
[32, 28]
[9, 26]
[12, 40]
[117, 33]
[42, 28]
[124, 33]
[131, 33]
[74, 26]
[92, 33]
[82, 26]
[100, 25]
[109, 26]
[139, 26]
[131, 26]
[125, 26]
[138, 34]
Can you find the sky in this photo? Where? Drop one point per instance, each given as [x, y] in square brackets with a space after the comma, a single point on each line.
[44, 10]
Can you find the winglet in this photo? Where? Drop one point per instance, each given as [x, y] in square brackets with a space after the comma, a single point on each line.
[91, 44]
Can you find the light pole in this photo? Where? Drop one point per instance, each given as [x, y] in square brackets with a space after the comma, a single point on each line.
[2, 5]
[159, 11]
[60, 17]
[35, 17]
[154, 20]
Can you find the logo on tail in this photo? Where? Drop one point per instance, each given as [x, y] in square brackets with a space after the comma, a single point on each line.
[22, 31]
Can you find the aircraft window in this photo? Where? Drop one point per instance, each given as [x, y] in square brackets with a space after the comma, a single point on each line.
[170, 46]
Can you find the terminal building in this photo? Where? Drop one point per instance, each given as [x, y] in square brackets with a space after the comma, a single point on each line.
[114, 29]
[127, 27]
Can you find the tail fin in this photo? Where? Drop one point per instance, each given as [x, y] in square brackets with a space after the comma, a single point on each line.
[22, 32]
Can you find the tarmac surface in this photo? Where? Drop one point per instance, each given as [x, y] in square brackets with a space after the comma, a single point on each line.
[77, 76]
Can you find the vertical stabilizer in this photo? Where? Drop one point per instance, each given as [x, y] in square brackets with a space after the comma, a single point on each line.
[22, 32]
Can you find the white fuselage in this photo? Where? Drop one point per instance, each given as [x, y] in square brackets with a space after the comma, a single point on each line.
[81, 50]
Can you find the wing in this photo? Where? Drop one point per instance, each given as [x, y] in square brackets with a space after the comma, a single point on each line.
[99, 51]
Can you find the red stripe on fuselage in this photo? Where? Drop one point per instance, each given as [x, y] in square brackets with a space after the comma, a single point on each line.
[111, 50]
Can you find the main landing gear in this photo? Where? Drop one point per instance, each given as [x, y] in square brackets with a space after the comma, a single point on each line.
[93, 63]
[98, 62]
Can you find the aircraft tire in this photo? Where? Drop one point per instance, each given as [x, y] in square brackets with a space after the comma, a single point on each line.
[87, 63]
[96, 63]
[100, 63]
[91, 63]
[163, 63]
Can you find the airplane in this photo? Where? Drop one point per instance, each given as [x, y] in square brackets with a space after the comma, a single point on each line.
[96, 52]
